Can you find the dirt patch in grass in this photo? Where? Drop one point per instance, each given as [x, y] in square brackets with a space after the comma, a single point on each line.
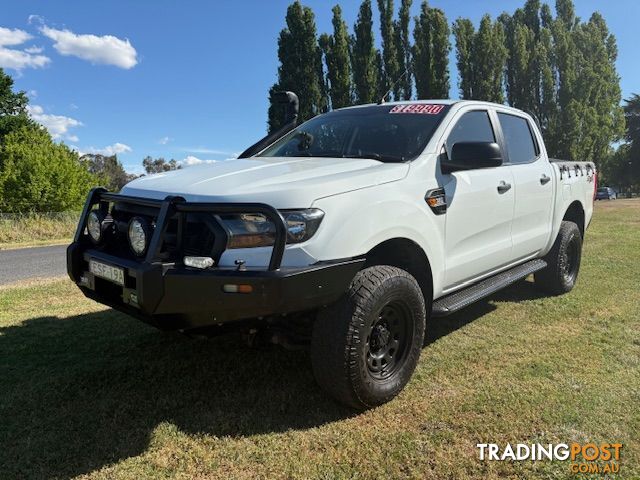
[88, 392]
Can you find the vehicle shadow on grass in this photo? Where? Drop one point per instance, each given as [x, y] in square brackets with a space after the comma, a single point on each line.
[82, 392]
[441, 327]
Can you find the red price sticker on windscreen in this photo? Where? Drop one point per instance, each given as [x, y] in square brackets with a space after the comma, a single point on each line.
[420, 108]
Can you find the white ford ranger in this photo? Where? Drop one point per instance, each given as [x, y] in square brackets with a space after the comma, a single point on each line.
[345, 233]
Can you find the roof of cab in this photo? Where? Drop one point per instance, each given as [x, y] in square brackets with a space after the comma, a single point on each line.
[440, 102]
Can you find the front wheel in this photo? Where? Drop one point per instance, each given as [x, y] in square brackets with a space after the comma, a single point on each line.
[365, 347]
[563, 261]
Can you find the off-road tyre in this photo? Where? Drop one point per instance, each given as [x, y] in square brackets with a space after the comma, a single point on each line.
[365, 347]
[563, 261]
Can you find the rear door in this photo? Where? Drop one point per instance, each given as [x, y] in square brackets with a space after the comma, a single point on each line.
[479, 214]
[533, 185]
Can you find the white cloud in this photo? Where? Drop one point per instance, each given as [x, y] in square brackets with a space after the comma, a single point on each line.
[191, 160]
[12, 36]
[109, 150]
[34, 49]
[18, 59]
[106, 50]
[32, 94]
[58, 125]
[164, 140]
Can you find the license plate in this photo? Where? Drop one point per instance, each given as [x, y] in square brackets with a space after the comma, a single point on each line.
[108, 272]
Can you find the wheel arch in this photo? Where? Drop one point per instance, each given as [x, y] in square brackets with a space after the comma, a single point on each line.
[575, 213]
[408, 255]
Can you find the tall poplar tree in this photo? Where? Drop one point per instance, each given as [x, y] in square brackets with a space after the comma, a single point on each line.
[529, 77]
[422, 63]
[440, 48]
[632, 116]
[336, 50]
[464, 34]
[589, 116]
[403, 49]
[594, 117]
[300, 66]
[431, 53]
[363, 56]
[489, 59]
[389, 50]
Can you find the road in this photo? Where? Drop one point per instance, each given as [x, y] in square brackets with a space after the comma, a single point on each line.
[37, 262]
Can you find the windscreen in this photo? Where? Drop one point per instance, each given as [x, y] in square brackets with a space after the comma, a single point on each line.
[388, 133]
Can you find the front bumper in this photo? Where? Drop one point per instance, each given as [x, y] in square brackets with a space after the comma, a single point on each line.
[172, 297]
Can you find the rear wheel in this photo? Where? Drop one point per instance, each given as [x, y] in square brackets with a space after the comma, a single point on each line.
[365, 347]
[563, 261]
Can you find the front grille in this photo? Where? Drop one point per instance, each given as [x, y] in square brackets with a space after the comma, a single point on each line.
[193, 234]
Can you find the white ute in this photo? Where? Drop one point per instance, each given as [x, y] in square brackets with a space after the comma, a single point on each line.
[344, 233]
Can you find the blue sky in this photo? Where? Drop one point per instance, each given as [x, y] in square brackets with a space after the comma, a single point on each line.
[189, 79]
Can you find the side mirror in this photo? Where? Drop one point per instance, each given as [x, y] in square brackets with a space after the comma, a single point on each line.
[472, 156]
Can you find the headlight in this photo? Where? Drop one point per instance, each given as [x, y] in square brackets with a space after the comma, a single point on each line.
[94, 225]
[139, 233]
[248, 230]
[301, 225]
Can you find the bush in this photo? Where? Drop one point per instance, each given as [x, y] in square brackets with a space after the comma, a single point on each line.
[40, 175]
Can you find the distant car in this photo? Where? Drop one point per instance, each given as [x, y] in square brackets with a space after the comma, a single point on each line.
[606, 193]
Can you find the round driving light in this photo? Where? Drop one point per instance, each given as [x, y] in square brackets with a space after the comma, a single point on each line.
[296, 226]
[94, 226]
[138, 235]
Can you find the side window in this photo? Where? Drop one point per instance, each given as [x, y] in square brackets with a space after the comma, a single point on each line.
[517, 135]
[472, 127]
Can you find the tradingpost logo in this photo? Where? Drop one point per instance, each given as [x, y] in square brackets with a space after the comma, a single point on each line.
[600, 458]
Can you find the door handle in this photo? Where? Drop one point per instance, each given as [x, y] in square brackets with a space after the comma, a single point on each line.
[504, 187]
[544, 179]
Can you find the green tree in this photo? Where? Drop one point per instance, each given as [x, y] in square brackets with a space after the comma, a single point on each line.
[529, 75]
[464, 33]
[13, 106]
[616, 169]
[37, 174]
[632, 135]
[588, 94]
[363, 57]
[481, 58]
[422, 51]
[300, 65]
[403, 50]
[336, 51]
[488, 61]
[431, 53]
[108, 170]
[381, 86]
[440, 48]
[519, 65]
[159, 165]
[389, 50]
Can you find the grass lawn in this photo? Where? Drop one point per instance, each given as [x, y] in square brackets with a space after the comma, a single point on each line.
[29, 230]
[88, 392]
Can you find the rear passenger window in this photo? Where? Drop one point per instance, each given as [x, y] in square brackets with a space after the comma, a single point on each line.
[472, 127]
[517, 135]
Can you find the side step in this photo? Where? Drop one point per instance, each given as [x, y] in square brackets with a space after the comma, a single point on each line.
[463, 298]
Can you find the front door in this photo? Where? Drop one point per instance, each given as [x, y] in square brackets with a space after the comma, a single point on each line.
[480, 208]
